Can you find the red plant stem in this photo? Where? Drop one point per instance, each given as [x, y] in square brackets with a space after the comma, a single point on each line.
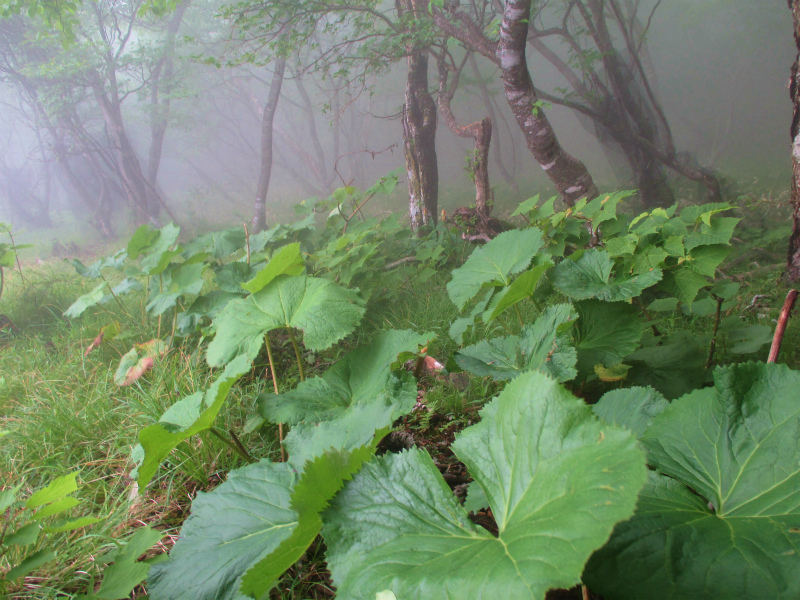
[783, 320]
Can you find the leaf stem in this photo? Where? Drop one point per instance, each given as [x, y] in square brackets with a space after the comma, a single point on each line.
[519, 315]
[238, 448]
[713, 346]
[275, 385]
[297, 353]
[247, 242]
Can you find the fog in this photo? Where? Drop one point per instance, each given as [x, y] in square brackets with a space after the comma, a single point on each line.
[719, 69]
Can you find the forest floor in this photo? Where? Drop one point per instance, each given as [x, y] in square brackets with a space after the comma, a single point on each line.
[64, 412]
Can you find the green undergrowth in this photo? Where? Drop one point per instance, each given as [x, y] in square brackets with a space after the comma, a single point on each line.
[131, 387]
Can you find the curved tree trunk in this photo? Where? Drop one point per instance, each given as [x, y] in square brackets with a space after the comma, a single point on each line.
[793, 258]
[569, 175]
[480, 131]
[260, 208]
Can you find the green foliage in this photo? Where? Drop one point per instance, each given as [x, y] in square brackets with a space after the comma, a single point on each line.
[726, 461]
[324, 311]
[556, 479]
[24, 523]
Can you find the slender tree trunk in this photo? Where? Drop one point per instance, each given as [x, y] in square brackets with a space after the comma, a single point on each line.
[419, 131]
[260, 208]
[160, 107]
[487, 102]
[419, 136]
[793, 258]
[480, 131]
[569, 175]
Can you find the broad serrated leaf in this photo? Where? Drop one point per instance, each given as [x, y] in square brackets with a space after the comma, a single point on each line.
[705, 259]
[86, 301]
[632, 408]
[605, 333]
[749, 339]
[507, 254]
[324, 311]
[127, 572]
[521, 288]
[537, 347]
[461, 325]
[734, 446]
[673, 368]
[94, 270]
[24, 536]
[250, 529]
[590, 277]
[55, 490]
[184, 279]
[684, 283]
[556, 479]
[230, 277]
[219, 244]
[286, 261]
[194, 414]
[362, 376]
[719, 231]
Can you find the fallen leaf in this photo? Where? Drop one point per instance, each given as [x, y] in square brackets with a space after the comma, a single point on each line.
[137, 370]
[95, 344]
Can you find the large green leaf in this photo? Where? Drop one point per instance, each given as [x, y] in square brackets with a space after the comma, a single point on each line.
[361, 376]
[86, 301]
[606, 332]
[556, 479]
[127, 571]
[507, 254]
[186, 418]
[727, 525]
[94, 270]
[250, 529]
[674, 367]
[521, 288]
[324, 311]
[177, 280]
[353, 399]
[155, 246]
[590, 277]
[286, 261]
[539, 346]
[632, 408]
[219, 244]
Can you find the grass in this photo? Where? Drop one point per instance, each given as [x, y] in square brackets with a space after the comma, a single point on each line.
[65, 413]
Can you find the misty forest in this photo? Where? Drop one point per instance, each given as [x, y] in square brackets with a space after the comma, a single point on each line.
[399, 300]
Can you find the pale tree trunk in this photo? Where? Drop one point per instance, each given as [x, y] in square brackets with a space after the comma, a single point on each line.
[419, 133]
[569, 175]
[260, 209]
[793, 258]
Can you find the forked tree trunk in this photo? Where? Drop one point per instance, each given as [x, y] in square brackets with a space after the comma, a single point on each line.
[419, 136]
[793, 258]
[260, 209]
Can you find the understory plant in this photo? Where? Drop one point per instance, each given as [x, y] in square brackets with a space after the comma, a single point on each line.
[632, 496]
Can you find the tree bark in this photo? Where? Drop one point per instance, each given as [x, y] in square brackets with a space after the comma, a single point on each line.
[569, 175]
[419, 135]
[793, 256]
[260, 209]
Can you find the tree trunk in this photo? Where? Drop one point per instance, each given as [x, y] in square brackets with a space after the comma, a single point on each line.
[419, 136]
[480, 131]
[793, 257]
[160, 107]
[488, 104]
[569, 175]
[260, 209]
